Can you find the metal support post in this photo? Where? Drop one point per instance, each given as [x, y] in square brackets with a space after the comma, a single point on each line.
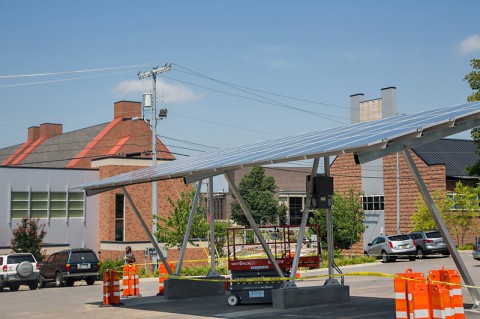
[212, 272]
[252, 223]
[331, 255]
[153, 74]
[147, 231]
[462, 269]
[189, 227]
[303, 224]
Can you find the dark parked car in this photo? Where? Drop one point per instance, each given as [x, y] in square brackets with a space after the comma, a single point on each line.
[67, 266]
[429, 243]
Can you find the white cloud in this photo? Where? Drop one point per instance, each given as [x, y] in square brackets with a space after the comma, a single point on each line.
[169, 93]
[470, 44]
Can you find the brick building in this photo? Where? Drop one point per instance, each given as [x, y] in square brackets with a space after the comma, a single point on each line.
[441, 163]
[42, 171]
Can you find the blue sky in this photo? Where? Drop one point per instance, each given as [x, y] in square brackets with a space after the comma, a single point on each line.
[320, 51]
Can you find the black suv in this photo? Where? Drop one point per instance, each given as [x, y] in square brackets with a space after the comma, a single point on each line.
[429, 243]
[67, 266]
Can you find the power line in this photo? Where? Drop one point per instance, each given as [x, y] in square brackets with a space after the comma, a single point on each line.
[223, 124]
[266, 101]
[72, 71]
[64, 80]
[192, 72]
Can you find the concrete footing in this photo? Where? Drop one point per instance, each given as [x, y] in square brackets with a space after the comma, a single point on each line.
[182, 289]
[471, 313]
[285, 298]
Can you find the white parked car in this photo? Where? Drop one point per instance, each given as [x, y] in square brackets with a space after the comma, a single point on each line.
[18, 269]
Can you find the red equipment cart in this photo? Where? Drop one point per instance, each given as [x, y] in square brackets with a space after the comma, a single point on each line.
[247, 260]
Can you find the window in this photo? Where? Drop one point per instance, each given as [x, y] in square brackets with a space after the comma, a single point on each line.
[58, 205]
[19, 204]
[46, 205]
[295, 209]
[373, 202]
[17, 259]
[39, 205]
[457, 197]
[75, 204]
[119, 217]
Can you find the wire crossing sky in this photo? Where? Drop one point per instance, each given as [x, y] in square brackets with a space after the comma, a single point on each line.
[242, 72]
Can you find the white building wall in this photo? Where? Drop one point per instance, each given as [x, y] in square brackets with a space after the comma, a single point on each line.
[73, 231]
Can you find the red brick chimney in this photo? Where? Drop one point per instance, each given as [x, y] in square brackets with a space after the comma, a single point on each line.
[127, 109]
[50, 129]
[33, 133]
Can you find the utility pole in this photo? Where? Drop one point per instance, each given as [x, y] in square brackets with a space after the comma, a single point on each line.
[141, 75]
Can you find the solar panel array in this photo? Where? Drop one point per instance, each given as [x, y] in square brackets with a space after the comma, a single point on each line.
[341, 140]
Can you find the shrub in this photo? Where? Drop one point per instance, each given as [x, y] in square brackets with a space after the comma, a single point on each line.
[115, 264]
[28, 237]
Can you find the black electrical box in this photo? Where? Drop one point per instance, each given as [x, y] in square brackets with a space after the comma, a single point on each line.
[322, 191]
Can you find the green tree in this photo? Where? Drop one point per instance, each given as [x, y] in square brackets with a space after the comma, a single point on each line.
[171, 229]
[258, 192]
[422, 219]
[348, 218]
[465, 212]
[28, 236]
[473, 79]
[221, 236]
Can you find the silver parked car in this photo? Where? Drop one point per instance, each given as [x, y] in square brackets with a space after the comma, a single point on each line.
[429, 243]
[476, 249]
[389, 248]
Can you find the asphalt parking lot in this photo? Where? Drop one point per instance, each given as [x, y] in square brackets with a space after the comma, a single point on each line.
[371, 297]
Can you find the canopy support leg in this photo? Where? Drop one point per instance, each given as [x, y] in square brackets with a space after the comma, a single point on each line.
[303, 224]
[462, 269]
[331, 252]
[252, 223]
[212, 272]
[189, 227]
[147, 231]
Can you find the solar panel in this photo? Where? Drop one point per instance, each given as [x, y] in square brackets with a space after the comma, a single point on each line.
[368, 140]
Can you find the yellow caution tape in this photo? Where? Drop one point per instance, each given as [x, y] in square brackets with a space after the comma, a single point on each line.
[302, 278]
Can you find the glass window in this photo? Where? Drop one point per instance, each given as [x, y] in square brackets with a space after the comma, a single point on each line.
[434, 234]
[17, 259]
[373, 202]
[119, 217]
[19, 205]
[39, 204]
[81, 256]
[295, 210]
[398, 237]
[58, 204]
[75, 204]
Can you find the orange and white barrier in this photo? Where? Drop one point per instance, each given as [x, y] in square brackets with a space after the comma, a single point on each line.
[130, 281]
[439, 301]
[404, 285]
[440, 298]
[452, 281]
[162, 275]
[421, 302]
[111, 288]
